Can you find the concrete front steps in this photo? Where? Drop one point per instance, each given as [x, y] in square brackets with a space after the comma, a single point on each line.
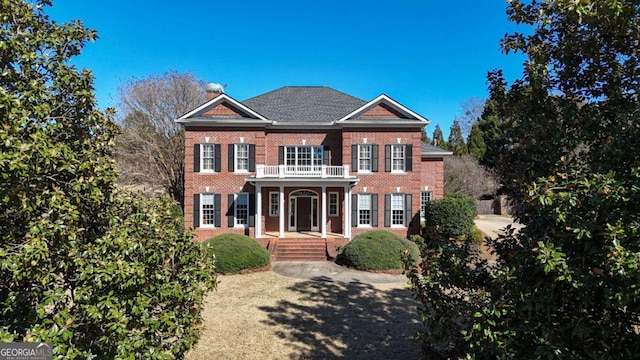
[298, 249]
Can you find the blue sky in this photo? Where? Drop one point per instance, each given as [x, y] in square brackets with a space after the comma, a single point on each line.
[428, 55]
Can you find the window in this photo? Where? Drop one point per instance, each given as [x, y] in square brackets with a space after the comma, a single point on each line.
[242, 157]
[364, 209]
[397, 158]
[425, 197]
[397, 210]
[207, 210]
[304, 156]
[364, 158]
[241, 205]
[274, 204]
[333, 204]
[207, 157]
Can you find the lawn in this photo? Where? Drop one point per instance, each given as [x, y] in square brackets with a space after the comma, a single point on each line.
[267, 316]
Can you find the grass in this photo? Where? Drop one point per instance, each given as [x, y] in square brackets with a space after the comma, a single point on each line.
[268, 316]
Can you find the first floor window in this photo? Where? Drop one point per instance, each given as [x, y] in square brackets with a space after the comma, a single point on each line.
[207, 157]
[242, 157]
[274, 204]
[425, 197]
[207, 210]
[242, 209]
[364, 209]
[333, 204]
[397, 209]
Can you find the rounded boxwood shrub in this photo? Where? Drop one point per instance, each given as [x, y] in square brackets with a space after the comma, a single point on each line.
[451, 216]
[378, 250]
[236, 252]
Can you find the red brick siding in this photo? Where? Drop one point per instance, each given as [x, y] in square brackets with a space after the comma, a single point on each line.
[223, 110]
[381, 111]
[427, 172]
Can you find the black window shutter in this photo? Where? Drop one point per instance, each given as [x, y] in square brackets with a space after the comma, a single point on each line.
[408, 154]
[354, 210]
[408, 215]
[231, 213]
[374, 210]
[216, 154]
[280, 155]
[217, 207]
[387, 158]
[374, 158]
[326, 155]
[196, 157]
[252, 157]
[231, 155]
[354, 158]
[387, 210]
[252, 210]
[196, 210]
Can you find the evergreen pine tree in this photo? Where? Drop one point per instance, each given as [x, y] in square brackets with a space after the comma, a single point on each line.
[456, 140]
[438, 138]
[475, 143]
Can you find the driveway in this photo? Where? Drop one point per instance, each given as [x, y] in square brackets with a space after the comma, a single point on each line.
[493, 225]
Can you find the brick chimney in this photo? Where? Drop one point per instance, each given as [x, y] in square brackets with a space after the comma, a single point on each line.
[213, 90]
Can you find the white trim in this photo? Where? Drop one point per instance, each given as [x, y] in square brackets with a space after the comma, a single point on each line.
[337, 194]
[382, 98]
[213, 151]
[235, 158]
[294, 197]
[217, 101]
[201, 212]
[277, 203]
[235, 210]
[258, 216]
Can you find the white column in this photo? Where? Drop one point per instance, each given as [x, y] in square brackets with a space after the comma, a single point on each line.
[258, 228]
[282, 208]
[347, 211]
[323, 225]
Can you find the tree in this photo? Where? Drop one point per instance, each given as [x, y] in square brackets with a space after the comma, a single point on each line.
[492, 135]
[471, 110]
[95, 273]
[425, 137]
[456, 141]
[463, 174]
[566, 285]
[438, 138]
[475, 142]
[151, 146]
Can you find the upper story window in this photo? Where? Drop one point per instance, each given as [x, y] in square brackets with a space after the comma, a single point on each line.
[398, 158]
[242, 157]
[364, 158]
[303, 156]
[207, 157]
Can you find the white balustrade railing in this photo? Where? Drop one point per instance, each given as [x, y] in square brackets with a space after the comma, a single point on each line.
[313, 171]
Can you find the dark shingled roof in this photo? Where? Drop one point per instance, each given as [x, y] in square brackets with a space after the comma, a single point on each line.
[428, 148]
[304, 104]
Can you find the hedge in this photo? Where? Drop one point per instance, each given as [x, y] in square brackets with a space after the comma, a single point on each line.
[378, 250]
[235, 252]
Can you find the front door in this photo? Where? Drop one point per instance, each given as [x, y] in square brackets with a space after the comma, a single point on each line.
[303, 214]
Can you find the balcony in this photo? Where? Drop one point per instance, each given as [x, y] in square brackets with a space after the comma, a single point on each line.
[302, 171]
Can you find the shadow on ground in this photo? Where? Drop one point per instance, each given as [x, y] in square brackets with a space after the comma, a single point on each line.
[348, 320]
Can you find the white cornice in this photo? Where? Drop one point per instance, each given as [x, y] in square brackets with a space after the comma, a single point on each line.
[216, 101]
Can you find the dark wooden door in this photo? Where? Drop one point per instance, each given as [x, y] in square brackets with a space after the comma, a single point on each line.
[303, 214]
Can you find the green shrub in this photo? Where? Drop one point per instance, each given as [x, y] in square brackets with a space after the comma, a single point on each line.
[475, 236]
[450, 216]
[235, 252]
[378, 250]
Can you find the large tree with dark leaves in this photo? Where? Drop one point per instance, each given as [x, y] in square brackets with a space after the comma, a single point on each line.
[566, 286]
[99, 275]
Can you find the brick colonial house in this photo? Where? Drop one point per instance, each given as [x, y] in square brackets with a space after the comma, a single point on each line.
[306, 162]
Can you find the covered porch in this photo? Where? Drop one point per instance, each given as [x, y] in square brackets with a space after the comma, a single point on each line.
[303, 207]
